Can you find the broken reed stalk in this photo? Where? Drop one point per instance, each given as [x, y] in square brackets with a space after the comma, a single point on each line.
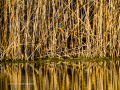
[29, 29]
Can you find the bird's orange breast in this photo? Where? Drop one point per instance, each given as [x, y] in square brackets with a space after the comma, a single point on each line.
[62, 30]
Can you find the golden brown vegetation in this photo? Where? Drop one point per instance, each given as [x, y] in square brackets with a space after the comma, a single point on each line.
[29, 28]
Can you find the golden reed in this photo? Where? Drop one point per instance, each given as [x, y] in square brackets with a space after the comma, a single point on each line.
[29, 29]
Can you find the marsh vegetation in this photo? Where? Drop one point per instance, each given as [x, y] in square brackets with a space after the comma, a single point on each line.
[29, 29]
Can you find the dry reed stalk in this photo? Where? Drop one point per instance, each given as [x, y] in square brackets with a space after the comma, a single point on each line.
[78, 30]
[110, 23]
[88, 30]
[103, 47]
[54, 34]
[27, 6]
[35, 25]
[18, 29]
[118, 37]
[40, 26]
[13, 31]
[81, 30]
[100, 27]
[97, 28]
[4, 40]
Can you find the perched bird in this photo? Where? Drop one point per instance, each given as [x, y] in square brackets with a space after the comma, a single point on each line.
[62, 28]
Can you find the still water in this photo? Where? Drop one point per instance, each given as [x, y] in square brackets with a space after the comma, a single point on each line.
[60, 75]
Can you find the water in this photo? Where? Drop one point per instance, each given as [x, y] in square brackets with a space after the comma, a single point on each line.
[60, 75]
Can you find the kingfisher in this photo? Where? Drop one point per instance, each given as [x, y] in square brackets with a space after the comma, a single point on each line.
[62, 28]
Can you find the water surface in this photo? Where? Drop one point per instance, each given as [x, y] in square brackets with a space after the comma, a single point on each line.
[60, 75]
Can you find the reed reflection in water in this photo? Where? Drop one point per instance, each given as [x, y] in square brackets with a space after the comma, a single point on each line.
[60, 76]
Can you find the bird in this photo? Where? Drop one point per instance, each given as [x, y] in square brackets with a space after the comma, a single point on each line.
[62, 28]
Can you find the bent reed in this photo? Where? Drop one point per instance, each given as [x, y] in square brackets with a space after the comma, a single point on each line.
[29, 29]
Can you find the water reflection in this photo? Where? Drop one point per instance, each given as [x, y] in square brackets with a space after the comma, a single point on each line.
[60, 76]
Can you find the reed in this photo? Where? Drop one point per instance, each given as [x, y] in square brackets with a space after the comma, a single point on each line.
[29, 29]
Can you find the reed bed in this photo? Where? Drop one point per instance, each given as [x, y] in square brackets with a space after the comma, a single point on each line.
[29, 29]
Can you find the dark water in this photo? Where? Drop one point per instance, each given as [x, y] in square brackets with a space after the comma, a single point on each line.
[60, 75]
